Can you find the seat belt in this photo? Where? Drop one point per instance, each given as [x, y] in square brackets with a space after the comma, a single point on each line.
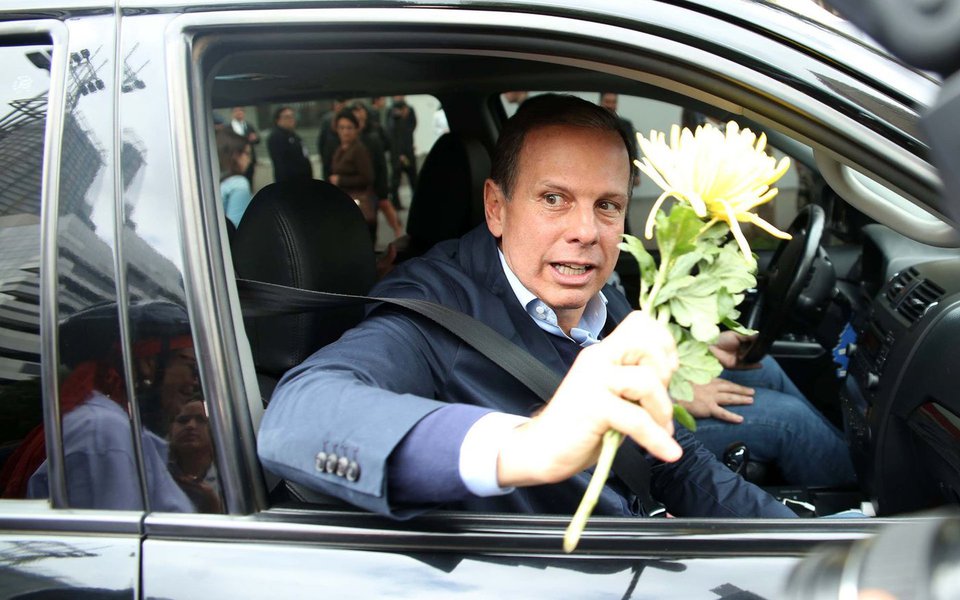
[260, 299]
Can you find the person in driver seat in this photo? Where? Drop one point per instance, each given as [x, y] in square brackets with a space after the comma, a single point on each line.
[399, 417]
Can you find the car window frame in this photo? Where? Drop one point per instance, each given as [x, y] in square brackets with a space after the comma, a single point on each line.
[213, 299]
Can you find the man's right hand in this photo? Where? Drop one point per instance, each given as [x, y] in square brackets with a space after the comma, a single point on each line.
[619, 383]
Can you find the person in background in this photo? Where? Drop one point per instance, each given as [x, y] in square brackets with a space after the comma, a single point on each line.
[512, 101]
[378, 112]
[191, 458]
[328, 141]
[402, 122]
[234, 155]
[289, 156]
[247, 131]
[352, 168]
[373, 138]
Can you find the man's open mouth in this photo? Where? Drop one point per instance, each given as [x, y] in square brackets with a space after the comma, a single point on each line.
[566, 269]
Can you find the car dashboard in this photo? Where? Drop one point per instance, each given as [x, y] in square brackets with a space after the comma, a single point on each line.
[900, 405]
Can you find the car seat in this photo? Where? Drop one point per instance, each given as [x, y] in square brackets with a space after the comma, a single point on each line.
[307, 234]
[448, 201]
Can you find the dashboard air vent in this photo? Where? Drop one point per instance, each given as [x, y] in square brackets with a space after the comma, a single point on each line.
[899, 284]
[921, 297]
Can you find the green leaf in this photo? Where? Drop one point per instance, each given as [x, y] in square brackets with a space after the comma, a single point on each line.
[680, 389]
[698, 313]
[684, 418]
[716, 231]
[738, 328]
[730, 268]
[648, 267]
[697, 363]
[685, 264]
[672, 287]
[677, 233]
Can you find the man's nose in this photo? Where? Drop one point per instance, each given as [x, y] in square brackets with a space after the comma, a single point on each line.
[583, 227]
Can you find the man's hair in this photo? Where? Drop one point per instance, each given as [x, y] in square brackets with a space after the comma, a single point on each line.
[279, 111]
[347, 114]
[543, 111]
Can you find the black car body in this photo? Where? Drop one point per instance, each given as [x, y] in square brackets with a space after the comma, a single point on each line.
[110, 194]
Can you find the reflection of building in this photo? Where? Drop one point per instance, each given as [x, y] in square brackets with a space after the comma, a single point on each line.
[85, 266]
[85, 261]
[21, 154]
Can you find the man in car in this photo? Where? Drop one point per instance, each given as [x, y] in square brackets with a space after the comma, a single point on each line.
[398, 416]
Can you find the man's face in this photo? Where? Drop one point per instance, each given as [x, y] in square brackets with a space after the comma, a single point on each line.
[286, 119]
[560, 229]
[190, 428]
[347, 131]
[238, 114]
[181, 382]
[609, 102]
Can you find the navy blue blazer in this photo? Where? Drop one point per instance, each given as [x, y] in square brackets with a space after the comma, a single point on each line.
[362, 396]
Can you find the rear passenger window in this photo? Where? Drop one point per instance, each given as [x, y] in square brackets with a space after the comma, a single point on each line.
[24, 83]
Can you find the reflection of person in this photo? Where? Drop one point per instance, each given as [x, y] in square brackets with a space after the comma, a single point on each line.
[191, 457]
[398, 416]
[99, 460]
[244, 129]
[234, 155]
[289, 156]
[759, 406]
[401, 123]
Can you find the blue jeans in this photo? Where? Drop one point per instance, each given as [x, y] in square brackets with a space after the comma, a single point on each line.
[783, 428]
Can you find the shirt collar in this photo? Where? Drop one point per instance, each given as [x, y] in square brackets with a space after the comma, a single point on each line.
[587, 331]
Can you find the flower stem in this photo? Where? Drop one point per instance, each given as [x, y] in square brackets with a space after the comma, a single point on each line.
[647, 304]
[608, 449]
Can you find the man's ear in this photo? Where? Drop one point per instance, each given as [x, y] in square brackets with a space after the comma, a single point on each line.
[146, 367]
[494, 204]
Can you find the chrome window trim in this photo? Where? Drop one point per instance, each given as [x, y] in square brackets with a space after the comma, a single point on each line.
[211, 299]
[49, 194]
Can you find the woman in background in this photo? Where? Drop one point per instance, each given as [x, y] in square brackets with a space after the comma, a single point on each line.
[233, 152]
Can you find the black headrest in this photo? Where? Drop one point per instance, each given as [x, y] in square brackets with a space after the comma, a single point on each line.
[448, 201]
[307, 234]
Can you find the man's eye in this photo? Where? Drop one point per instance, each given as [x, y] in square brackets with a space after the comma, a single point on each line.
[607, 206]
[552, 199]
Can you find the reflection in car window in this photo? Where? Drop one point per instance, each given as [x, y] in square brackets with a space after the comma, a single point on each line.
[23, 90]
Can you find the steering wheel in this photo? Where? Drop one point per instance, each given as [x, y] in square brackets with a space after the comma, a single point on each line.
[785, 278]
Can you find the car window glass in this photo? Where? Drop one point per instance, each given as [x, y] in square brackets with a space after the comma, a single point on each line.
[400, 133]
[23, 89]
[177, 450]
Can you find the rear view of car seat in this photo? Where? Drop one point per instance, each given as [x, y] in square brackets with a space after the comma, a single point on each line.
[306, 234]
[448, 201]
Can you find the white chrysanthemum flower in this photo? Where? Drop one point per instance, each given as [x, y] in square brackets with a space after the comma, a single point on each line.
[722, 175]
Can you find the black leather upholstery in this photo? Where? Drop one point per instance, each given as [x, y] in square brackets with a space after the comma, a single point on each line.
[306, 234]
[448, 201]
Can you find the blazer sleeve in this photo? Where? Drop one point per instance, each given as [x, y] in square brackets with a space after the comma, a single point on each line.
[699, 485]
[359, 398]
